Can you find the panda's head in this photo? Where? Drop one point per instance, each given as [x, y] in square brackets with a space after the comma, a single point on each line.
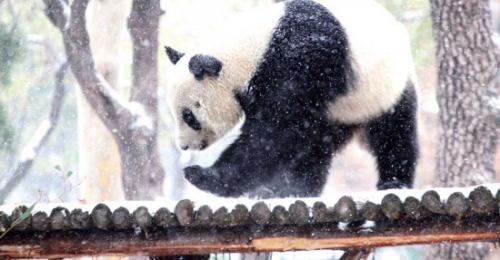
[201, 99]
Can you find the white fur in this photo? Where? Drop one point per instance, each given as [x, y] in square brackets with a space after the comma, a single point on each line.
[382, 61]
[240, 45]
[207, 157]
[379, 49]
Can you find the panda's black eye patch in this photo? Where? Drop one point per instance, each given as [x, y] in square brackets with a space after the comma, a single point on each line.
[190, 119]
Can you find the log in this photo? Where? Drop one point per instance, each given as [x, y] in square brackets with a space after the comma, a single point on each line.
[16, 214]
[163, 218]
[40, 221]
[321, 213]
[203, 216]
[392, 206]
[221, 217]
[371, 211]
[59, 219]
[260, 213]
[80, 220]
[280, 216]
[121, 218]
[184, 210]
[482, 201]
[432, 202]
[141, 218]
[299, 213]
[345, 210]
[101, 216]
[239, 215]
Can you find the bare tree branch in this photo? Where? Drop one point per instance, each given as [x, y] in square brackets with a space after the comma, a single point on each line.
[42, 134]
[113, 110]
[133, 124]
[15, 17]
[58, 13]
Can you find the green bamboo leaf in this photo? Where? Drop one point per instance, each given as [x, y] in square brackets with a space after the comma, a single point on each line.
[69, 174]
[28, 212]
[58, 168]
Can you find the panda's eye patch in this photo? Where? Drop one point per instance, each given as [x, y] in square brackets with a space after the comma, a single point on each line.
[190, 119]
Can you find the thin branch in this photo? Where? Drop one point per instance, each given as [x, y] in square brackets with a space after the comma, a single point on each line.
[42, 134]
[15, 17]
[58, 12]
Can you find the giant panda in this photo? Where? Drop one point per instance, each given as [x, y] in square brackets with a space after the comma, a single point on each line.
[297, 81]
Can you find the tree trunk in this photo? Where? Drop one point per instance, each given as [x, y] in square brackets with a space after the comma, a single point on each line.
[141, 163]
[99, 159]
[133, 124]
[467, 76]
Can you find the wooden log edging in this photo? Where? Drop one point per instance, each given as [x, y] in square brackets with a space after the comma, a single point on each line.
[190, 230]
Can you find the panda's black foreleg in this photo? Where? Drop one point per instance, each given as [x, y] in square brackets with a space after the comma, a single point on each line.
[210, 179]
[241, 168]
[394, 142]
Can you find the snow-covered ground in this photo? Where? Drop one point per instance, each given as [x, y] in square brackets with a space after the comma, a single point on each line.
[229, 203]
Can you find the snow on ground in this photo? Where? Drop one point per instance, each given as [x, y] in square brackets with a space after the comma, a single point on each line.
[229, 203]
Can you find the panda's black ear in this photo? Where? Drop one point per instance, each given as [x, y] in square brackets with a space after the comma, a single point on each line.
[173, 55]
[201, 65]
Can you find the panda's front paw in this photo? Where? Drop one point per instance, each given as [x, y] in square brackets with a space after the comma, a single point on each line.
[208, 179]
[195, 175]
[393, 184]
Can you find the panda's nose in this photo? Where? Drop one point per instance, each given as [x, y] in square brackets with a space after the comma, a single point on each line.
[185, 147]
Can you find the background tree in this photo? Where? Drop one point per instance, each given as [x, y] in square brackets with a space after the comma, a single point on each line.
[99, 158]
[132, 123]
[467, 60]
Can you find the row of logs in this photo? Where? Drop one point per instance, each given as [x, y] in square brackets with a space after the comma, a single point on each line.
[480, 202]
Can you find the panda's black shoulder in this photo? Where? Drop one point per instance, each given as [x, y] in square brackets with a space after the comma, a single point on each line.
[308, 46]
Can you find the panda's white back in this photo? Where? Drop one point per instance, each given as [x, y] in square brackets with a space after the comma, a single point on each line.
[242, 42]
[378, 45]
[381, 55]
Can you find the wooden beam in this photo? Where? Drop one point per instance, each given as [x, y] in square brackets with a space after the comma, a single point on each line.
[243, 239]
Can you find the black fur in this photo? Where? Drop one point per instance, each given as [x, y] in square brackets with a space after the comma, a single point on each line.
[173, 55]
[393, 140]
[287, 141]
[190, 119]
[201, 65]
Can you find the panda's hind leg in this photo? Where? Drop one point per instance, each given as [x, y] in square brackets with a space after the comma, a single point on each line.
[393, 140]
